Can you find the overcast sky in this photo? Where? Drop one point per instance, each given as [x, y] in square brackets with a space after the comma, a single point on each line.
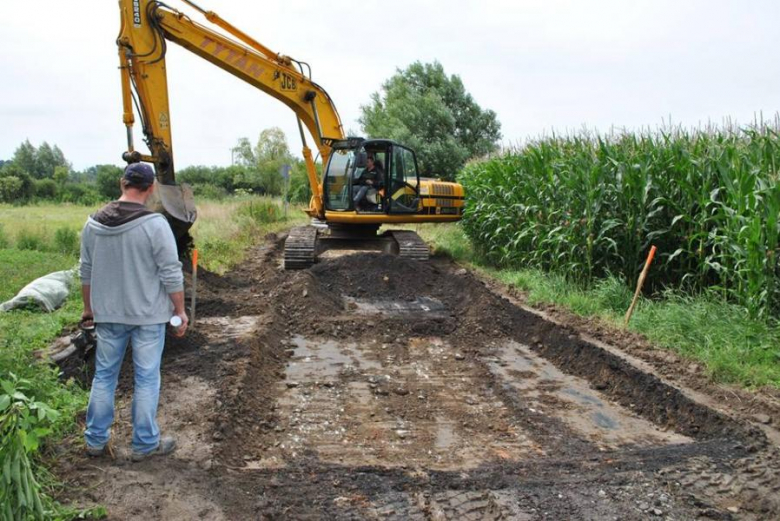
[541, 65]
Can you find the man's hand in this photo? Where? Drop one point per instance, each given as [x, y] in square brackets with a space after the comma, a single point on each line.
[182, 329]
[87, 319]
[178, 310]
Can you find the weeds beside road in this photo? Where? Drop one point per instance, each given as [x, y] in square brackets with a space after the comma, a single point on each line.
[225, 230]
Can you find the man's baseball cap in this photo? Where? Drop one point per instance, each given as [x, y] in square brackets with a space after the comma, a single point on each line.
[139, 175]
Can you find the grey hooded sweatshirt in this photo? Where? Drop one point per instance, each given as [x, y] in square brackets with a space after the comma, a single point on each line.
[129, 260]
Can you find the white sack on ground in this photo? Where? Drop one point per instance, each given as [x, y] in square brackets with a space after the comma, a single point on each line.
[47, 292]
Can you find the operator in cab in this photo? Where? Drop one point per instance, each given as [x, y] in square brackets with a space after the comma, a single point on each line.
[372, 177]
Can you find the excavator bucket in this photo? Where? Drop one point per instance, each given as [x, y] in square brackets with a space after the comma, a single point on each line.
[177, 203]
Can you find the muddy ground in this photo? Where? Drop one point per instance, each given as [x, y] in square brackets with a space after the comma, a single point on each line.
[370, 387]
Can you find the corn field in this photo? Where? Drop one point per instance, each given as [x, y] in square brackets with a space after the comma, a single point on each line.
[592, 205]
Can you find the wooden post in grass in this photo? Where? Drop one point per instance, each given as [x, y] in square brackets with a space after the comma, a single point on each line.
[194, 286]
[640, 283]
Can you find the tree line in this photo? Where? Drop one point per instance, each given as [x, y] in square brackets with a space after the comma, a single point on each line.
[43, 173]
[420, 106]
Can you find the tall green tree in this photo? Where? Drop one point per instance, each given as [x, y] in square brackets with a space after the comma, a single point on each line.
[263, 161]
[40, 162]
[107, 180]
[431, 112]
[45, 162]
[24, 157]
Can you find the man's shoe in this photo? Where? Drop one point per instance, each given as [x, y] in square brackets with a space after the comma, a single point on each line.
[166, 446]
[96, 452]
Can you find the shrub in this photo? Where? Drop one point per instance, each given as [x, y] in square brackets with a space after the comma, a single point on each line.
[30, 240]
[45, 188]
[66, 240]
[300, 189]
[262, 211]
[107, 181]
[10, 189]
[80, 194]
[209, 191]
[211, 175]
[16, 185]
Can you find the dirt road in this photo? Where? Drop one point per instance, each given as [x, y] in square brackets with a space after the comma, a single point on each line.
[375, 388]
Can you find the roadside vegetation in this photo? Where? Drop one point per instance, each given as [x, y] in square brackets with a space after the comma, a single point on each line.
[36, 406]
[226, 229]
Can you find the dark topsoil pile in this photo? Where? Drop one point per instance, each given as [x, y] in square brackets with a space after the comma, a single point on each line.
[312, 303]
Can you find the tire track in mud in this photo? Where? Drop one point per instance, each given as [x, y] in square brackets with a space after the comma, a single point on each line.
[370, 387]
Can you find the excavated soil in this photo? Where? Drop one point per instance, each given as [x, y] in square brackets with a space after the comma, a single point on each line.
[370, 387]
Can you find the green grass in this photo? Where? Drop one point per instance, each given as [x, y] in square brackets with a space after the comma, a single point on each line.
[42, 220]
[446, 239]
[22, 266]
[225, 230]
[733, 346]
[23, 331]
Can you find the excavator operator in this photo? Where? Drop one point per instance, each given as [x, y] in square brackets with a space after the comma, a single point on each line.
[372, 177]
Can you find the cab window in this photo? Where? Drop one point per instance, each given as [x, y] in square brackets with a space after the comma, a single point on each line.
[410, 167]
[404, 196]
[336, 179]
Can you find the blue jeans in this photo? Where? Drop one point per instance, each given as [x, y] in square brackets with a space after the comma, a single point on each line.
[148, 342]
[361, 194]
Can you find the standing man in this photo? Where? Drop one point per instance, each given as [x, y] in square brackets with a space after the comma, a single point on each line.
[131, 283]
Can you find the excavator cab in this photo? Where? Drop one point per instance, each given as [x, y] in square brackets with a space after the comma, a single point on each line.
[395, 189]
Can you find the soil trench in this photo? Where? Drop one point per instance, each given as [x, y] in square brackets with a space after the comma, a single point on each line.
[371, 387]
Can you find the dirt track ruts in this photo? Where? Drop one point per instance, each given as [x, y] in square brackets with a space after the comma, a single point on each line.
[370, 387]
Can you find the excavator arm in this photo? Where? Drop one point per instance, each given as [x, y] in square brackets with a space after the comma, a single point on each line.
[146, 28]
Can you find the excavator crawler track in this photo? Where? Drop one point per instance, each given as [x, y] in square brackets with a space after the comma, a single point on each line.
[410, 245]
[300, 248]
[303, 245]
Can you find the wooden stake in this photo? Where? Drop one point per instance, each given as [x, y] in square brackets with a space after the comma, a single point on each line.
[640, 283]
[194, 286]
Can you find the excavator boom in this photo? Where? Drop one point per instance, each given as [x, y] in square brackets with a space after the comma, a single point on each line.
[146, 28]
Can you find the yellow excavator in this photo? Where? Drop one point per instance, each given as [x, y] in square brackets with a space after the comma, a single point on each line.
[346, 211]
